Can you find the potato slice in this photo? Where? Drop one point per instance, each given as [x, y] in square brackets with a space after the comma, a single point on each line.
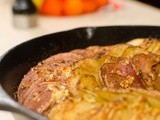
[85, 75]
[110, 105]
[151, 45]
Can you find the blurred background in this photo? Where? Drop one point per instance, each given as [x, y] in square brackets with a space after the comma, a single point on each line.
[22, 20]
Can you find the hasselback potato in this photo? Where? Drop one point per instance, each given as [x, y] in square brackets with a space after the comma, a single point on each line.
[97, 83]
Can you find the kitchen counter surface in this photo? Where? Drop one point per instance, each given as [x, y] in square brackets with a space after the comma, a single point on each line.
[131, 13]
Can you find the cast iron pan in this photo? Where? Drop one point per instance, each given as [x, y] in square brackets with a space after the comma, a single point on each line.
[17, 61]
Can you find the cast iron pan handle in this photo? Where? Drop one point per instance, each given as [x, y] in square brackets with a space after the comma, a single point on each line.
[8, 104]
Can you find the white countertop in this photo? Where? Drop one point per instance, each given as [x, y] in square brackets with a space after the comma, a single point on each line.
[132, 13]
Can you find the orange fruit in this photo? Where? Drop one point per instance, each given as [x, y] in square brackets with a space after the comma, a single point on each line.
[89, 5]
[73, 7]
[101, 3]
[52, 7]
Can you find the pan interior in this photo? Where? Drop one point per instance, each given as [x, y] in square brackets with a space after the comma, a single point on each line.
[15, 63]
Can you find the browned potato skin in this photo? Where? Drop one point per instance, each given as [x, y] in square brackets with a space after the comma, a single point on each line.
[121, 74]
[49, 70]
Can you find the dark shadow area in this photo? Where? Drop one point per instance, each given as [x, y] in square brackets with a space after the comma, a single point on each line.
[155, 3]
